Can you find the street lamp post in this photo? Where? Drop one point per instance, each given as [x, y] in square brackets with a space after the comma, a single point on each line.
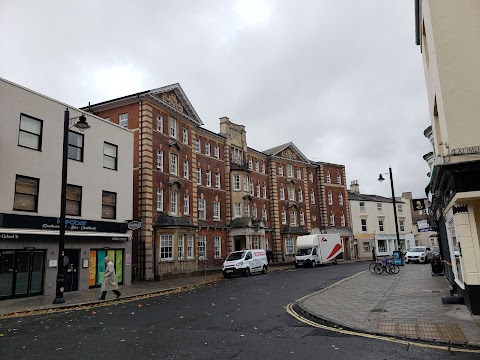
[82, 125]
[381, 178]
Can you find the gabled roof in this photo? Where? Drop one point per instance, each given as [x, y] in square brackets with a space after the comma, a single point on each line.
[278, 150]
[373, 198]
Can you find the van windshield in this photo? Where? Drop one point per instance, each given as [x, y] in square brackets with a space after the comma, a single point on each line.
[237, 255]
[303, 252]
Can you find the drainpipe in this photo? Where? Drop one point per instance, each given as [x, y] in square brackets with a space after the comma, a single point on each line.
[140, 191]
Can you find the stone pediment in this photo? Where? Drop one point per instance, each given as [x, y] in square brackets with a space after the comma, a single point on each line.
[287, 151]
[171, 99]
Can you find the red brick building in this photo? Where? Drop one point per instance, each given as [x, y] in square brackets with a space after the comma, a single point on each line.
[201, 195]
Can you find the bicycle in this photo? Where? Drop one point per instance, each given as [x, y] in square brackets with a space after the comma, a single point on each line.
[386, 266]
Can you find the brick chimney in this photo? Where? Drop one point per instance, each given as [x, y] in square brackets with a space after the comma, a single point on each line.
[354, 187]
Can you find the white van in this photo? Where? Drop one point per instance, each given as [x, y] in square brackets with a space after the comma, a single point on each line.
[317, 249]
[245, 262]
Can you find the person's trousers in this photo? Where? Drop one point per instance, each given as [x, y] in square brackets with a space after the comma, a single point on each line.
[116, 292]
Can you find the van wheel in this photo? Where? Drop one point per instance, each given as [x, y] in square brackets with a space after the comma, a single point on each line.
[314, 264]
[247, 272]
[265, 269]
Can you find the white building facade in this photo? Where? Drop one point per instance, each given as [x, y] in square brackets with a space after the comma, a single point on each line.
[99, 196]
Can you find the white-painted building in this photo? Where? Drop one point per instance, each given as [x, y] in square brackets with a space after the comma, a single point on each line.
[373, 224]
[99, 195]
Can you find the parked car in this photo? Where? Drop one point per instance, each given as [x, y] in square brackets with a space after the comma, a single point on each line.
[434, 252]
[418, 254]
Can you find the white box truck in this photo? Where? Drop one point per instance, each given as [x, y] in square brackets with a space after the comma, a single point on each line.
[317, 249]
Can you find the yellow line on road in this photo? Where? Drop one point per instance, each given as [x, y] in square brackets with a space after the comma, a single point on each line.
[372, 336]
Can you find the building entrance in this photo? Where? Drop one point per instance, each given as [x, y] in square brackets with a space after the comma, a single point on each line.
[21, 273]
[70, 269]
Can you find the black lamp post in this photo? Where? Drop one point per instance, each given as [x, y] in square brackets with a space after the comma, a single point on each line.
[381, 178]
[82, 125]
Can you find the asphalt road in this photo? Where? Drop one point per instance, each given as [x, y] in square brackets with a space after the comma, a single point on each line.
[239, 318]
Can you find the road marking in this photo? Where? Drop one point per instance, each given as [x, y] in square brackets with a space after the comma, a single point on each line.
[372, 336]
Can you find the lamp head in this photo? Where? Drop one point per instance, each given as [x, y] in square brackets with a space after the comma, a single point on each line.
[82, 124]
[381, 178]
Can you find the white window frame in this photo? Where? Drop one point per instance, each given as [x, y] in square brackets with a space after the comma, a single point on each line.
[340, 199]
[251, 189]
[300, 195]
[166, 247]
[361, 205]
[207, 148]
[245, 183]
[185, 136]
[342, 219]
[160, 123]
[264, 191]
[284, 217]
[328, 179]
[363, 223]
[250, 164]
[160, 199]
[123, 120]
[310, 176]
[216, 210]
[246, 208]
[217, 180]
[330, 198]
[312, 197]
[299, 174]
[197, 145]
[289, 171]
[208, 178]
[173, 127]
[381, 224]
[186, 169]
[216, 151]
[264, 214]
[380, 207]
[256, 242]
[217, 247]
[160, 160]
[190, 246]
[186, 204]
[263, 168]
[254, 212]
[332, 219]
[293, 217]
[302, 218]
[289, 248]
[181, 247]
[257, 166]
[202, 247]
[202, 209]
[401, 224]
[236, 182]
[258, 190]
[291, 194]
[400, 208]
[174, 164]
[280, 170]
[282, 193]
[199, 176]
[237, 210]
[339, 179]
[174, 202]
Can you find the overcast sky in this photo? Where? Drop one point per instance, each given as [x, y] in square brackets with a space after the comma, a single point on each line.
[341, 79]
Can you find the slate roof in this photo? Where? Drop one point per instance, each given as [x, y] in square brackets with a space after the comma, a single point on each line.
[174, 221]
[373, 198]
[294, 230]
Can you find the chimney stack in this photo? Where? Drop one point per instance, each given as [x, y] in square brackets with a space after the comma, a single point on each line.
[354, 187]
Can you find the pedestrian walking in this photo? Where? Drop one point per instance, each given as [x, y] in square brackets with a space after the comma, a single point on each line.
[109, 280]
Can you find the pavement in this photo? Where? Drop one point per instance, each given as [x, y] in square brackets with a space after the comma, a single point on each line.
[406, 305]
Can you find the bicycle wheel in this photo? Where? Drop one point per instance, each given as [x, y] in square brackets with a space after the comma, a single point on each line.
[378, 268]
[396, 269]
[371, 268]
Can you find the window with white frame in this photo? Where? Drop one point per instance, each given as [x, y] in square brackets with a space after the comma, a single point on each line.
[217, 247]
[197, 145]
[310, 176]
[123, 120]
[245, 183]
[236, 182]
[379, 207]
[190, 244]
[159, 199]
[300, 195]
[217, 180]
[332, 219]
[289, 247]
[293, 217]
[186, 204]
[340, 199]
[328, 179]
[247, 209]
[342, 219]
[208, 178]
[160, 123]
[257, 166]
[174, 164]
[264, 214]
[186, 170]
[237, 156]
[180, 247]
[256, 242]
[254, 212]
[282, 193]
[30, 132]
[266, 243]
[258, 190]
[199, 176]
[263, 168]
[202, 211]
[401, 225]
[339, 179]
[363, 222]
[291, 194]
[216, 210]
[202, 247]
[160, 160]
[380, 224]
[250, 164]
[207, 148]
[299, 174]
[264, 191]
[362, 206]
[174, 202]
[312, 197]
[302, 218]
[400, 208]
[216, 151]
[110, 152]
[289, 171]
[284, 217]
[185, 136]
[238, 210]
[280, 170]
[173, 127]
[251, 189]
[166, 247]
[330, 198]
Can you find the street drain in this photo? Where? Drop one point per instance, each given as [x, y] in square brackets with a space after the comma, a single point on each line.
[379, 310]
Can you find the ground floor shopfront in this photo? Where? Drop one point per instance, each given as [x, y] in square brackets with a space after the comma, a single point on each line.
[29, 257]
